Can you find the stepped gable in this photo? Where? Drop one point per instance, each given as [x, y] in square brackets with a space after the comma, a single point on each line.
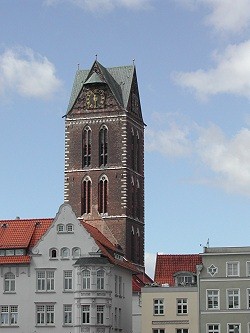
[169, 264]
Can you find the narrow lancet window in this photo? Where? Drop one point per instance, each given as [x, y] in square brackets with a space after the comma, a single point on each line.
[103, 195]
[86, 143]
[86, 195]
[103, 146]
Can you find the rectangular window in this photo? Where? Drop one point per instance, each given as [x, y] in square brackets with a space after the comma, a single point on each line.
[120, 286]
[213, 328]
[233, 328]
[233, 268]
[212, 299]
[116, 285]
[100, 314]
[182, 330]
[67, 314]
[45, 280]
[158, 330]
[233, 298]
[158, 307]
[182, 306]
[67, 281]
[9, 315]
[85, 314]
[45, 314]
[115, 318]
[120, 318]
[248, 299]
[248, 268]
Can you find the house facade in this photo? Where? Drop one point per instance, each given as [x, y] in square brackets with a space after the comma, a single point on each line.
[170, 305]
[62, 275]
[224, 284]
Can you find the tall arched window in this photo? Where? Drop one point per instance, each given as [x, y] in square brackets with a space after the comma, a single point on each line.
[100, 279]
[86, 146]
[137, 153]
[86, 279]
[103, 195]
[86, 195]
[103, 145]
[138, 200]
[133, 197]
[9, 282]
[132, 244]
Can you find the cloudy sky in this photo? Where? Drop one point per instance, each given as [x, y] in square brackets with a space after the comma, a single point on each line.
[193, 66]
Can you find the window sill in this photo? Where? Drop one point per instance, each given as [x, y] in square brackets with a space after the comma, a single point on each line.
[68, 291]
[9, 292]
[45, 292]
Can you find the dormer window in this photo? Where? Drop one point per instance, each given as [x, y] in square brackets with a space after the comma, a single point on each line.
[183, 279]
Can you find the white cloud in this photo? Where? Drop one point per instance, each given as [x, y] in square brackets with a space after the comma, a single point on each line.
[230, 75]
[172, 142]
[150, 259]
[226, 158]
[225, 15]
[28, 74]
[104, 5]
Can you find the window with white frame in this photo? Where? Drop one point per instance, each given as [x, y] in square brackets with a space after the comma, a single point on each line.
[67, 314]
[45, 314]
[248, 268]
[9, 315]
[100, 314]
[65, 253]
[9, 282]
[76, 252]
[233, 298]
[233, 268]
[212, 299]
[86, 279]
[45, 280]
[158, 307]
[182, 306]
[182, 330]
[53, 253]
[100, 279]
[248, 299]
[69, 227]
[116, 285]
[233, 328]
[120, 286]
[120, 318]
[67, 281]
[158, 330]
[213, 328]
[60, 228]
[85, 314]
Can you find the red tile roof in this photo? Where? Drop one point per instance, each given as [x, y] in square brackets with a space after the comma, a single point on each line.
[169, 264]
[26, 233]
[140, 280]
[22, 233]
[14, 260]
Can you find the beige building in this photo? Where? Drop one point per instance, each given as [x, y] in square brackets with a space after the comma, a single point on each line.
[169, 310]
[171, 304]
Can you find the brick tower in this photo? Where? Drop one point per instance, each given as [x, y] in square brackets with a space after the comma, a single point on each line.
[104, 154]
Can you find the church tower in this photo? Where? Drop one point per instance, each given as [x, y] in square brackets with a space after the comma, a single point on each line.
[104, 154]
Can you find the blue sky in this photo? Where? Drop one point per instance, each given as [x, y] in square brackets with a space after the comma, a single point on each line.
[193, 66]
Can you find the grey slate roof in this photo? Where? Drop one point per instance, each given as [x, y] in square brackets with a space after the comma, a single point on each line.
[92, 261]
[119, 80]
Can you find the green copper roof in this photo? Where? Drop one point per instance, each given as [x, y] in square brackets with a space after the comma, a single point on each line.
[119, 80]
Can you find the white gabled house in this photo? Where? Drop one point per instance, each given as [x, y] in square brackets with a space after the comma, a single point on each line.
[62, 275]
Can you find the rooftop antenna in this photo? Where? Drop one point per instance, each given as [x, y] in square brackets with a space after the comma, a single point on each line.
[207, 243]
[78, 65]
